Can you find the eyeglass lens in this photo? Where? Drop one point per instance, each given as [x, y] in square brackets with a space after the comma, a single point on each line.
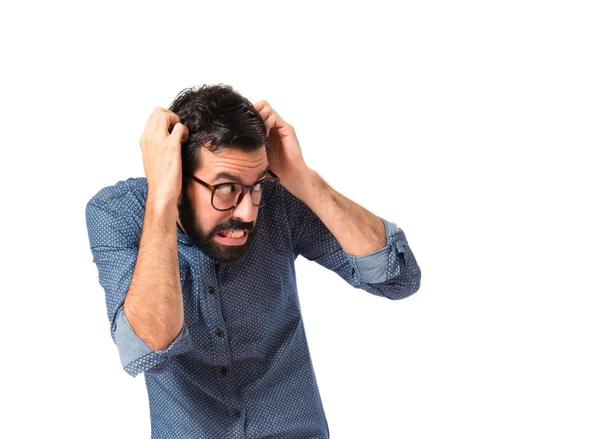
[227, 195]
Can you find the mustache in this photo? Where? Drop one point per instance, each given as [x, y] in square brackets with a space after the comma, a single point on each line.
[233, 225]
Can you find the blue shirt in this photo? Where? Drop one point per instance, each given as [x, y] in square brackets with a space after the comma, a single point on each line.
[240, 367]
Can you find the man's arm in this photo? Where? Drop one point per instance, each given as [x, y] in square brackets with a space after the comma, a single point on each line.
[358, 231]
[391, 271]
[137, 259]
[114, 227]
[367, 251]
[154, 303]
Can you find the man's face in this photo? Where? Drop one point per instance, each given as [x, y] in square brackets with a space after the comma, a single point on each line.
[205, 225]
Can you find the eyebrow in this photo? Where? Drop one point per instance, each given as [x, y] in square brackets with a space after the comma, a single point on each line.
[237, 179]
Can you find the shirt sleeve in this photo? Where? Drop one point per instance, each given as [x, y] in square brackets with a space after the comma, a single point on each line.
[114, 239]
[391, 271]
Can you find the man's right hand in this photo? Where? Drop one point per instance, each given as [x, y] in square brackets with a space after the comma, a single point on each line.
[162, 155]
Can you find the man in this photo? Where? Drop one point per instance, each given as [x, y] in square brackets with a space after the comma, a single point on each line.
[197, 264]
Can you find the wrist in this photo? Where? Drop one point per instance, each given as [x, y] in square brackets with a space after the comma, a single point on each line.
[162, 206]
[299, 184]
[310, 188]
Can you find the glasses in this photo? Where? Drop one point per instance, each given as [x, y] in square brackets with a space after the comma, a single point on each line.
[226, 196]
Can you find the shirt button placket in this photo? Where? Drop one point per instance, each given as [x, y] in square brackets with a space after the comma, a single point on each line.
[219, 332]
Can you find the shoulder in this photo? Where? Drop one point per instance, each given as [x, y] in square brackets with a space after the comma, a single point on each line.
[283, 207]
[296, 210]
[125, 199]
[123, 190]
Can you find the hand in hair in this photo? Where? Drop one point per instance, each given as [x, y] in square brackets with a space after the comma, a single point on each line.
[284, 153]
[161, 151]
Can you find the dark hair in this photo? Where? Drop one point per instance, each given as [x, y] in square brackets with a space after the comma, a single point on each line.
[217, 117]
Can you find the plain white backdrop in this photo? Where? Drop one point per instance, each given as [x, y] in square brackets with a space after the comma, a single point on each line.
[474, 126]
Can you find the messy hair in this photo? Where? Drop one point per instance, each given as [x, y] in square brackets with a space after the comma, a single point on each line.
[217, 117]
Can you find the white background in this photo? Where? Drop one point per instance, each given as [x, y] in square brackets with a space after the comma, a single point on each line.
[471, 125]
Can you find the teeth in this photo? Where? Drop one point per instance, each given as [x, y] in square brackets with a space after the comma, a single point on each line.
[234, 233]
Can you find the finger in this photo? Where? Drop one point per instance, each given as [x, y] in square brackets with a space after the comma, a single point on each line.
[276, 122]
[148, 123]
[163, 120]
[173, 120]
[265, 112]
[180, 132]
[270, 122]
[147, 128]
[258, 106]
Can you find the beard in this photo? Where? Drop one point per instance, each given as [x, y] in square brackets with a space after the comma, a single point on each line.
[230, 254]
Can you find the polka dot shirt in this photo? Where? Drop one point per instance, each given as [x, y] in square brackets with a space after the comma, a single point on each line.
[240, 368]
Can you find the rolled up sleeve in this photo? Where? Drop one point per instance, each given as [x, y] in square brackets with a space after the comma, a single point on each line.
[114, 238]
[391, 271]
[373, 268]
[136, 356]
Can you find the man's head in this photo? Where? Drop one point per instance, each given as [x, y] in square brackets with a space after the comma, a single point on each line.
[226, 143]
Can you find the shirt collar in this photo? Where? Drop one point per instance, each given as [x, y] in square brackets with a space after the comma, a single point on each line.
[182, 237]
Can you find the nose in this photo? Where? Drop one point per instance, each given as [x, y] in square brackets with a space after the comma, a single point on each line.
[245, 210]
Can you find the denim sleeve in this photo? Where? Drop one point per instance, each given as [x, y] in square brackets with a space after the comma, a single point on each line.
[372, 268]
[391, 271]
[136, 356]
[114, 239]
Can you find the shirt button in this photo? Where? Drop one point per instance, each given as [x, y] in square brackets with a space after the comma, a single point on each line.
[211, 290]
[223, 371]
[219, 332]
[236, 414]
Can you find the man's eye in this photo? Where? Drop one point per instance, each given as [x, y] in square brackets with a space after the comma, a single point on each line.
[257, 187]
[227, 189]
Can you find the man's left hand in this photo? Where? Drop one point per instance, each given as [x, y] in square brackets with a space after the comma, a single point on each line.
[284, 153]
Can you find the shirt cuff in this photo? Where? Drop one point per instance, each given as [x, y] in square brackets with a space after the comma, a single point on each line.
[136, 356]
[375, 267]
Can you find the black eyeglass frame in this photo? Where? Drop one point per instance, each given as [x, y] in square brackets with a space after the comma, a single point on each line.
[214, 187]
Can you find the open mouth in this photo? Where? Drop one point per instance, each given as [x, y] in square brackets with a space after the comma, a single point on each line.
[232, 237]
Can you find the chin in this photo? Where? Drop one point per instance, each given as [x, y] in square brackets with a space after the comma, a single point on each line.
[228, 258]
[230, 253]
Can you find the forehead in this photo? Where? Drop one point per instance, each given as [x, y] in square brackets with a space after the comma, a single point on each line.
[246, 164]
